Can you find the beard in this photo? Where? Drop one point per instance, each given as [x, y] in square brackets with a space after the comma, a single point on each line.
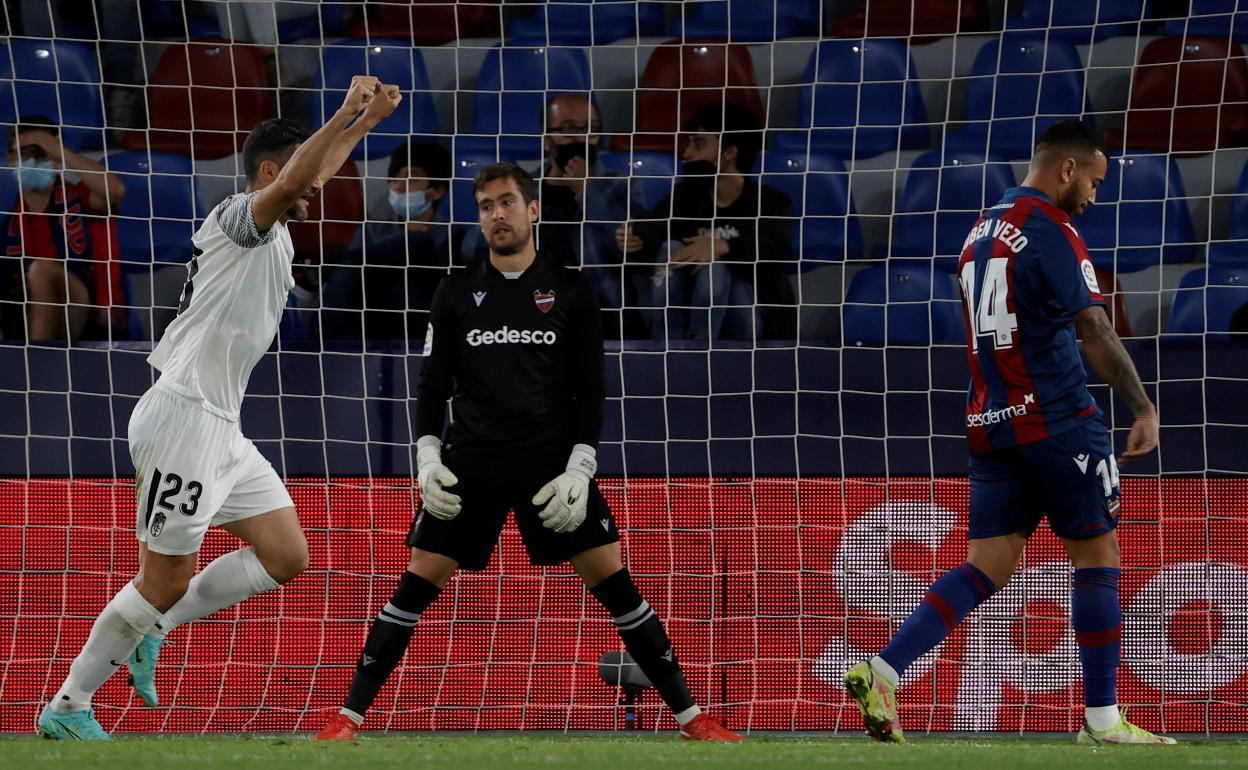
[297, 213]
[513, 248]
[1072, 203]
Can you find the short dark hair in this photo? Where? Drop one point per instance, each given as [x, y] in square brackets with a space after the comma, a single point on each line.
[31, 123]
[431, 158]
[494, 171]
[1072, 136]
[737, 127]
[271, 140]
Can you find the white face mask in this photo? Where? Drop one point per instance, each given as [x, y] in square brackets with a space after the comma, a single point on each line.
[35, 175]
[409, 205]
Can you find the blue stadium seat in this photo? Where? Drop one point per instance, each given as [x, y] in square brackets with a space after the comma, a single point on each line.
[1234, 249]
[585, 22]
[748, 21]
[161, 210]
[923, 306]
[1211, 18]
[941, 200]
[1207, 299]
[1079, 21]
[653, 173]
[469, 154]
[1009, 102]
[516, 82]
[28, 68]
[1140, 218]
[827, 228]
[393, 61]
[865, 99]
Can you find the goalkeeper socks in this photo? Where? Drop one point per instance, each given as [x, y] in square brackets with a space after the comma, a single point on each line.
[387, 641]
[117, 631]
[1096, 617]
[647, 642]
[228, 580]
[950, 599]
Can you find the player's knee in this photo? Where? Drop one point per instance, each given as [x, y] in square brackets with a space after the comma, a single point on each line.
[43, 278]
[288, 565]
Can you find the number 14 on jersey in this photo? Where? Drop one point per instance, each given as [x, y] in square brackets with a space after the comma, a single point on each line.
[989, 311]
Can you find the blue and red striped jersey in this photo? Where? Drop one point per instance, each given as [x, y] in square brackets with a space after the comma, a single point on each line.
[1025, 271]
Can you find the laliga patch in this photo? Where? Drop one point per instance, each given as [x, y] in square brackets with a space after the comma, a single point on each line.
[1089, 276]
[428, 340]
[545, 300]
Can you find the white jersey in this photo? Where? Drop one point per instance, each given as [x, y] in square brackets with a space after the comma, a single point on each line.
[231, 305]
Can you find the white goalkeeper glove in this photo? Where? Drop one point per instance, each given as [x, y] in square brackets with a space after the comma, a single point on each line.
[434, 478]
[567, 496]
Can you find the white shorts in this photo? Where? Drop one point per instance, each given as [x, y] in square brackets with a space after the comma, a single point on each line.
[192, 470]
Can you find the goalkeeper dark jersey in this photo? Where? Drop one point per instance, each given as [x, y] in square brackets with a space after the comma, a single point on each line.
[520, 358]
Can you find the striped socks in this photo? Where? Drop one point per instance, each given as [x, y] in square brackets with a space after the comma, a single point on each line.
[1096, 617]
[950, 599]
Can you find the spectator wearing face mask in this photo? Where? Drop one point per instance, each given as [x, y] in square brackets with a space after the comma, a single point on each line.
[59, 269]
[381, 286]
[583, 204]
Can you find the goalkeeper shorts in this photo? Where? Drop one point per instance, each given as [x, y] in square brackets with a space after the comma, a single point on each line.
[194, 469]
[491, 487]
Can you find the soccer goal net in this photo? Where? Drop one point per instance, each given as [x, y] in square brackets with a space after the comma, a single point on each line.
[784, 445]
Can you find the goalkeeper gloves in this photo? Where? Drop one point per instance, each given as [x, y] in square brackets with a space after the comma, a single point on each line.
[567, 496]
[434, 478]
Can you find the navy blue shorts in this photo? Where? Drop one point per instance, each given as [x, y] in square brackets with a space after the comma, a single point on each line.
[1071, 478]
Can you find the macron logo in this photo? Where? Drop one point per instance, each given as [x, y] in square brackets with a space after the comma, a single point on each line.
[478, 297]
[1082, 462]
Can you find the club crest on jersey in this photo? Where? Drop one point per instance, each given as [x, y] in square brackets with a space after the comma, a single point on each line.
[545, 300]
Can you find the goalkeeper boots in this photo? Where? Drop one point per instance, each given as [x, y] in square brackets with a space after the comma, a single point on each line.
[704, 728]
[340, 727]
[70, 726]
[142, 665]
[877, 702]
[1123, 732]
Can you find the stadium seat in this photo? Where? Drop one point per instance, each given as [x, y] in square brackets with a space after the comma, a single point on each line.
[1019, 87]
[926, 21]
[749, 21]
[28, 68]
[515, 82]
[394, 61]
[680, 78]
[861, 99]
[1079, 21]
[1196, 87]
[1140, 218]
[1212, 18]
[204, 97]
[323, 234]
[585, 22]
[923, 306]
[941, 200]
[325, 24]
[1233, 250]
[827, 227]
[161, 210]
[427, 22]
[469, 155]
[653, 172]
[1207, 299]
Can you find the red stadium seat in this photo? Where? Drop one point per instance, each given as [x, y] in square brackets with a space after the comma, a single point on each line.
[343, 198]
[427, 22]
[680, 78]
[1116, 306]
[925, 20]
[204, 98]
[1196, 87]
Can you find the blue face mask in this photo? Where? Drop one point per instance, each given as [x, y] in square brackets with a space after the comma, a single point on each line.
[35, 175]
[409, 205]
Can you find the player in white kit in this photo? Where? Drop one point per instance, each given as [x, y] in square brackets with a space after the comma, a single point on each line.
[194, 467]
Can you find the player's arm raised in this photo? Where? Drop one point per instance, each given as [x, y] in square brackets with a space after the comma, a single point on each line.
[304, 167]
[1112, 362]
[380, 107]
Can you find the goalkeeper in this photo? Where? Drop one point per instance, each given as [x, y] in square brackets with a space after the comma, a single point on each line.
[516, 344]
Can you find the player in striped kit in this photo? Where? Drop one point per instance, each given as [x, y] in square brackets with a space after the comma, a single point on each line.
[194, 467]
[1039, 444]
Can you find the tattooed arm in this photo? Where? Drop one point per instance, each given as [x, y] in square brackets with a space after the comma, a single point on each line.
[1112, 362]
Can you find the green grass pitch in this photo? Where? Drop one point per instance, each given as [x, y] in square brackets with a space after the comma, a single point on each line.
[606, 752]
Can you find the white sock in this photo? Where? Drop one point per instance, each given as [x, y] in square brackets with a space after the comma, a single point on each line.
[886, 671]
[1101, 717]
[228, 580]
[688, 715]
[115, 634]
[354, 717]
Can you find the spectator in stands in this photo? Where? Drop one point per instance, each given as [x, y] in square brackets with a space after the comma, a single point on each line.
[583, 204]
[719, 239]
[385, 280]
[60, 249]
